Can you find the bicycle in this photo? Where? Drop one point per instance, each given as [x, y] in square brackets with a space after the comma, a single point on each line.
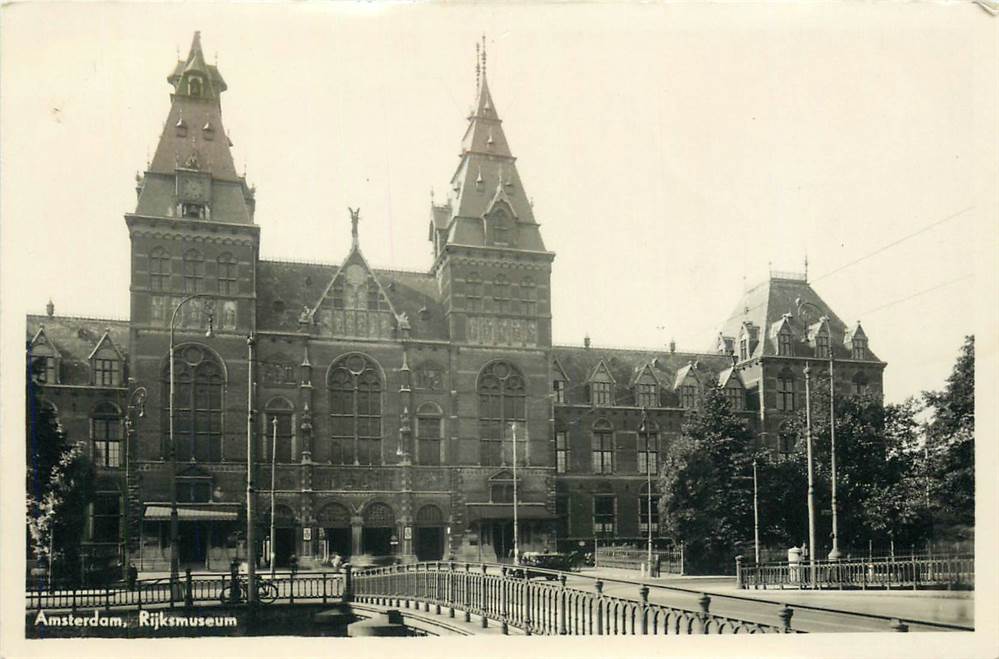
[267, 591]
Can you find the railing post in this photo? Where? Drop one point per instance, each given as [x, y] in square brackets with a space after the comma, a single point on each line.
[138, 590]
[643, 592]
[738, 573]
[527, 602]
[451, 588]
[705, 603]
[599, 586]
[234, 584]
[466, 598]
[188, 588]
[504, 602]
[348, 582]
[482, 598]
[785, 615]
[898, 626]
[437, 587]
[324, 587]
[562, 606]
[291, 586]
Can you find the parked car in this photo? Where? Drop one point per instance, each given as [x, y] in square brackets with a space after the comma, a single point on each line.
[547, 560]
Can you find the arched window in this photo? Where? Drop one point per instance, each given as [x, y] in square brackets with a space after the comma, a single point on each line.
[784, 342]
[105, 434]
[194, 271]
[199, 379]
[282, 411]
[785, 391]
[859, 348]
[499, 225]
[429, 433]
[194, 86]
[822, 345]
[603, 447]
[561, 449]
[355, 410]
[228, 285]
[159, 269]
[502, 403]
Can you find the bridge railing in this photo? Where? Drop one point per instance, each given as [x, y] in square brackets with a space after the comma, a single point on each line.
[510, 597]
[669, 561]
[189, 590]
[956, 571]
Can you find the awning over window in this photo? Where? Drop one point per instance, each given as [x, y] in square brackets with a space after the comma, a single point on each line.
[477, 511]
[162, 514]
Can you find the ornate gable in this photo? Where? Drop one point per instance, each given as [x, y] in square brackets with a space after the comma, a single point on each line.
[601, 374]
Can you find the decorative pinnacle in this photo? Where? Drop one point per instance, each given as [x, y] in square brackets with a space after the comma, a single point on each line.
[478, 66]
[483, 57]
[355, 216]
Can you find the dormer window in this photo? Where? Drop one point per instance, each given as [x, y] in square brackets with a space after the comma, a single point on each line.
[860, 348]
[784, 343]
[194, 86]
[688, 396]
[600, 393]
[44, 369]
[193, 211]
[558, 391]
[647, 394]
[822, 345]
[106, 372]
[744, 348]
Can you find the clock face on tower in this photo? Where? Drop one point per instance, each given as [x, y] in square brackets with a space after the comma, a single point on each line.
[192, 189]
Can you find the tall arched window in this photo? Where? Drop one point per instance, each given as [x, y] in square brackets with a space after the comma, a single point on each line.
[355, 410]
[228, 285]
[281, 410]
[499, 225]
[159, 269]
[784, 345]
[603, 447]
[785, 391]
[194, 271]
[199, 380]
[502, 403]
[429, 432]
[194, 86]
[105, 434]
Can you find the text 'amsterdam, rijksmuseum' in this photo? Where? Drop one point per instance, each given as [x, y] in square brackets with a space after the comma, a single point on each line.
[394, 396]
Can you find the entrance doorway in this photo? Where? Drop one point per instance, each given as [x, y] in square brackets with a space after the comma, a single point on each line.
[376, 541]
[192, 543]
[338, 540]
[503, 539]
[284, 546]
[429, 545]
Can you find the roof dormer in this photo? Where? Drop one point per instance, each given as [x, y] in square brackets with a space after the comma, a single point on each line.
[782, 333]
[106, 363]
[820, 337]
[646, 385]
[856, 342]
[601, 384]
[44, 358]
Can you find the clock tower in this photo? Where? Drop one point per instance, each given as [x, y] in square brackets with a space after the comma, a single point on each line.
[192, 234]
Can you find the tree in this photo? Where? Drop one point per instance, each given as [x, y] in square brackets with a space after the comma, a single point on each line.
[707, 499]
[60, 484]
[950, 449]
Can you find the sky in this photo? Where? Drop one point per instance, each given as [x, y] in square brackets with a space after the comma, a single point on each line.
[674, 152]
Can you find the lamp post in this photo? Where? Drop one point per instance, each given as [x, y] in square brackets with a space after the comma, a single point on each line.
[174, 556]
[136, 408]
[516, 544]
[834, 554]
[648, 471]
[251, 533]
[756, 514]
[274, 424]
[811, 474]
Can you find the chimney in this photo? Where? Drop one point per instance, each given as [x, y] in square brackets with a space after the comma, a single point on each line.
[672, 346]
[586, 341]
[50, 309]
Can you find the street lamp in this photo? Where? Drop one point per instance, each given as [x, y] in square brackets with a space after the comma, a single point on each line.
[274, 425]
[516, 544]
[136, 407]
[811, 474]
[174, 555]
[834, 554]
[643, 430]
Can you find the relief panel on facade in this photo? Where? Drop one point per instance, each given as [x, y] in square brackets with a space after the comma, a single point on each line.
[486, 330]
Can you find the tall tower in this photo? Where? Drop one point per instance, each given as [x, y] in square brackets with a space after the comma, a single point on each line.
[491, 264]
[193, 232]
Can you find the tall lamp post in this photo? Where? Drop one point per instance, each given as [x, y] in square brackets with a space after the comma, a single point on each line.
[251, 529]
[516, 544]
[274, 424]
[136, 408]
[643, 429]
[174, 553]
[811, 475]
[834, 554]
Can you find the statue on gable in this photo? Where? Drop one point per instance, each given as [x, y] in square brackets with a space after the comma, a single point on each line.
[192, 161]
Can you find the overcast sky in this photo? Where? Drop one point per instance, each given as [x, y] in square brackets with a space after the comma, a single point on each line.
[672, 152]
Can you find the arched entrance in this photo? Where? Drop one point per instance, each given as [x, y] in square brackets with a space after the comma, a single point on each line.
[379, 526]
[285, 526]
[334, 522]
[429, 541]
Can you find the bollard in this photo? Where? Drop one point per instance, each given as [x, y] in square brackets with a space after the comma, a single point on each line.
[705, 602]
[738, 572]
[599, 586]
[643, 592]
[562, 606]
[785, 615]
[188, 594]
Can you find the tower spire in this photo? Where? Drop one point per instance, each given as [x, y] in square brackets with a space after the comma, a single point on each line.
[483, 57]
[478, 67]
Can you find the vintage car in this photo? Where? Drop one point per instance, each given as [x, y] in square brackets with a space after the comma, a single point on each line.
[546, 560]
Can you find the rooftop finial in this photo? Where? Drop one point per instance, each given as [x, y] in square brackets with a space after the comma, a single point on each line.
[483, 57]
[806, 266]
[478, 67]
[50, 309]
[355, 214]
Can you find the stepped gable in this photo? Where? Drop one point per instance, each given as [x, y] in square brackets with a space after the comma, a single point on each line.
[75, 339]
[579, 363]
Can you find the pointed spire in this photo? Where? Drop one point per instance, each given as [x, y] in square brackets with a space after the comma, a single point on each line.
[483, 58]
[478, 68]
[196, 58]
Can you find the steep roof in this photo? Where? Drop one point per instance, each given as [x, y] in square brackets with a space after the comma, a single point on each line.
[578, 363]
[766, 304]
[76, 339]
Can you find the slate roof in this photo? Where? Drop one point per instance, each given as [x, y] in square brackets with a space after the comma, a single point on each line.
[764, 305]
[75, 339]
[295, 286]
[579, 362]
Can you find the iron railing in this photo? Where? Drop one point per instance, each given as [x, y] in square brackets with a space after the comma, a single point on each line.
[914, 572]
[669, 561]
[191, 589]
[503, 595]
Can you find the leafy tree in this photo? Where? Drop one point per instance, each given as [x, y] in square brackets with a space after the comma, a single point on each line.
[707, 491]
[60, 484]
[950, 449]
